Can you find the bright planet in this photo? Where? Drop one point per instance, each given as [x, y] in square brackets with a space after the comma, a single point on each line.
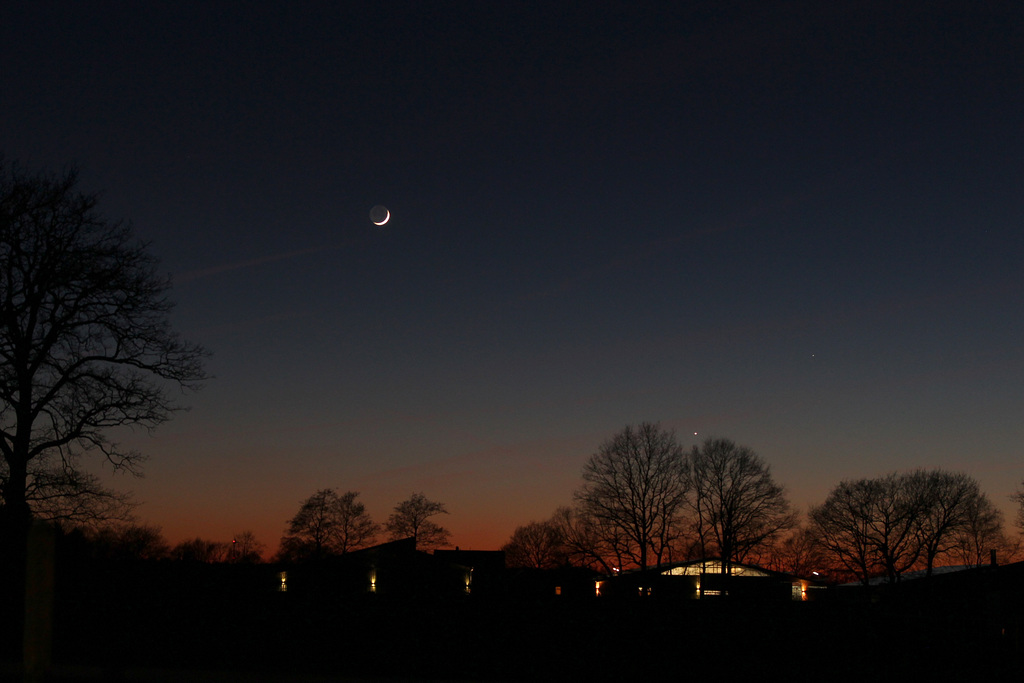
[380, 215]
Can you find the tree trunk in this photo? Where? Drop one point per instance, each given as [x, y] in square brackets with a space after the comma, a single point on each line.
[15, 518]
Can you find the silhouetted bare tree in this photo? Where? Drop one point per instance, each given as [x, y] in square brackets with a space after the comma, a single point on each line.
[588, 542]
[1018, 498]
[246, 549]
[798, 553]
[411, 519]
[892, 524]
[85, 341]
[950, 504]
[536, 545]
[130, 542]
[69, 496]
[634, 488]
[982, 533]
[200, 550]
[842, 524]
[328, 524]
[736, 504]
[869, 526]
[354, 528]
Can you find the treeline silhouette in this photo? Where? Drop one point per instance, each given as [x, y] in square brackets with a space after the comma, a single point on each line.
[646, 501]
[89, 346]
[116, 616]
[127, 601]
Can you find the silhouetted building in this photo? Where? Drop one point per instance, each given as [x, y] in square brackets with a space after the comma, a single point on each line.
[487, 568]
[702, 579]
[564, 583]
[394, 569]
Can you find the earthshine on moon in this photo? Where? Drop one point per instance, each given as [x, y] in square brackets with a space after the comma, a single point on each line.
[380, 215]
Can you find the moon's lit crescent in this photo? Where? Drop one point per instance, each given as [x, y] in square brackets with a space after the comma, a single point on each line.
[380, 215]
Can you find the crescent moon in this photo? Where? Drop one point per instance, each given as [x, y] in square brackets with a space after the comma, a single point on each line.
[379, 215]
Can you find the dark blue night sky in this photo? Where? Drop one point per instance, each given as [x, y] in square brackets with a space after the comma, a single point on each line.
[793, 224]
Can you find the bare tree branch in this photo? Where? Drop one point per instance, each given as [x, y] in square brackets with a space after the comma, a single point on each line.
[411, 519]
[537, 545]
[736, 504]
[892, 524]
[85, 341]
[633, 489]
[328, 524]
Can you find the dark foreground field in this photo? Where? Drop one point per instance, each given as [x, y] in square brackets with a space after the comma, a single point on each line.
[166, 625]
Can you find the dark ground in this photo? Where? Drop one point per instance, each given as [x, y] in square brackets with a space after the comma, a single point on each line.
[171, 623]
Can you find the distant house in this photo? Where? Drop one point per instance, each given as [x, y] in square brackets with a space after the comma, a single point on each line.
[486, 568]
[563, 583]
[701, 579]
[393, 569]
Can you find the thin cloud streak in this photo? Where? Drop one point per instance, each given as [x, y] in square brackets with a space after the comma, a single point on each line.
[250, 263]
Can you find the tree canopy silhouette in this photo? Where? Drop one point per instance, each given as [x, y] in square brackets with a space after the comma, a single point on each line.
[411, 519]
[889, 525]
[1018, 498]
[736, 504]
[200, 550]
[246, 548]
[633, 487]
[85, 341]
[537, 545]
[589, 542]
[328, 524]
[130, 542]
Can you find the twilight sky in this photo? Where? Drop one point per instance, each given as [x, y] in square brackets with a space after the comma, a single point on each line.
[793, 224]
